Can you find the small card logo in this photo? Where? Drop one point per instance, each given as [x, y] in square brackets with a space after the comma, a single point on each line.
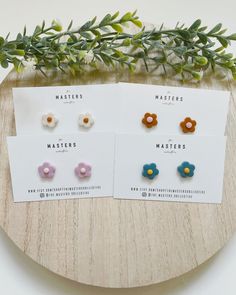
[169, 98]
[62, 146]
[69, 97]
[170, 146]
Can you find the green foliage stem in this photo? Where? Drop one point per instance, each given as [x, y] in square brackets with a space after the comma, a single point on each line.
[187, 51]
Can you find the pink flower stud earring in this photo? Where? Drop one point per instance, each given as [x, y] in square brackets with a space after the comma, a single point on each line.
[83, 170]
[46, 170]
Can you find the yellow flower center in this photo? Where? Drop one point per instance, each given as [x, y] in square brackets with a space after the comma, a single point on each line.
[186, 170]
[150, 172]
[49, 119]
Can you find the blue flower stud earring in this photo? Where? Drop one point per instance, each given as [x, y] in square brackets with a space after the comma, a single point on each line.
[186, 169]
[150, 170]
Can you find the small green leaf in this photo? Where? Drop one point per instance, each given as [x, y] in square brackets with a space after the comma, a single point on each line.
[234, 76]
[215, 29]
[232, 37]
[137, 22]
[180, 51]
[195, 25]
[10, 46]
[56, 25]
[84, 45]
[189, 66]
[126, 17]
[210, 44]
[223, 41]
[70, 25]
[105, 20]
[222, 32]
[19, 37]
[82, 54]
[106, 59]
[72, 38]
[105, 29]
[132, 67]
[228, 56]
[160, 60]
[138, 35]
[63, 47]
[19, 52]
[72, 57]
[4, 64]
[219, 49]
[140, 54]
[103, 46]
[197, 75]
[93, 20]
[126, 42]
[43, 25]
[8, 34]
[157, 36]
[2, 56]
[24, 32]
[202, 29]
[185, 34]
[55, 62]
[117, 28]
[114, 16]
[96, 33]
[230, 64]
[233, 69]
[86, 35]
[18, 65]
[37, 30]
[86, 26]
[93, 43]
[178, 68]
[1, 41]
[201, 60]
[203, 38]
[119, 53]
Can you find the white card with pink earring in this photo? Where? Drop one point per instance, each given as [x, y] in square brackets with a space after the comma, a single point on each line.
[60, 167]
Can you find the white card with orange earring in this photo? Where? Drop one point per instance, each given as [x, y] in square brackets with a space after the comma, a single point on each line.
[154, 109]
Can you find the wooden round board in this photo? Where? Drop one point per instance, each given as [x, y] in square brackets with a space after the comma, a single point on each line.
[116, 243]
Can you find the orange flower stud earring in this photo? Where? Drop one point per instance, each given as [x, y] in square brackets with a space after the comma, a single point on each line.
[188, 125]
[150, 120]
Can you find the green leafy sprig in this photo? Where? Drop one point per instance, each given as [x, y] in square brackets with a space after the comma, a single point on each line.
[186, 51]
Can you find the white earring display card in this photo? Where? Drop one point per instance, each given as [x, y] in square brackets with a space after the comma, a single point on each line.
[171, 106]
[167, 143]
[169, 168]
[66, 109]
[61, 167]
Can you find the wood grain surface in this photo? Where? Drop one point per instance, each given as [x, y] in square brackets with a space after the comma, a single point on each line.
[116, 243]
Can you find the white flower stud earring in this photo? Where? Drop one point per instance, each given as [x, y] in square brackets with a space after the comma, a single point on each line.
[49, 120]
[86, 120]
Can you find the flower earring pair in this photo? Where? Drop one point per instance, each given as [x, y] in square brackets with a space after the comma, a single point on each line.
[185, 170]
[49, 120]
[47, 171]
[187, 125]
